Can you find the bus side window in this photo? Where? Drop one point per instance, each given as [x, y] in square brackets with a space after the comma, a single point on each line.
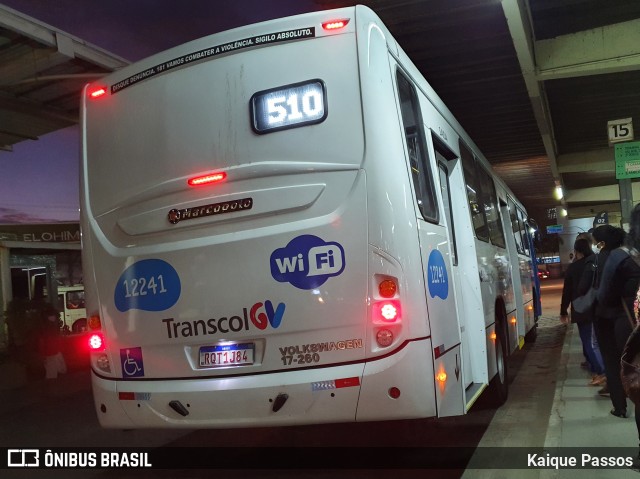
[417, 150]
[491, 208]
[473, 193]
[525, 233]
[516, 228]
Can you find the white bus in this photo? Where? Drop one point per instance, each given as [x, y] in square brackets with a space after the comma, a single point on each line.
[73, 313]
[283, 224]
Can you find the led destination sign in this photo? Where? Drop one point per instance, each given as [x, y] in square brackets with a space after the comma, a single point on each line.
[289, 106]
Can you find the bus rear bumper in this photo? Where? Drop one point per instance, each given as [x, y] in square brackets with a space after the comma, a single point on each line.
[323, 395]
[312, 396]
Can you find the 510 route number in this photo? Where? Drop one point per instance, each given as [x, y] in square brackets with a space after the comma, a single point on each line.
[289, 107]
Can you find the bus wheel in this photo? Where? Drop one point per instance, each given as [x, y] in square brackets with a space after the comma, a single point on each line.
[499, 385]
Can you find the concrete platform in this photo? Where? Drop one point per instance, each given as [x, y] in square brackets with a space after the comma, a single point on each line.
[578, 416]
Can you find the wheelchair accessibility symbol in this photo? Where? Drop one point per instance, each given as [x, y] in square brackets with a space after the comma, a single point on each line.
[131, 361]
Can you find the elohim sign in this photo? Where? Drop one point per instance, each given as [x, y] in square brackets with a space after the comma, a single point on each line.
[41, 233]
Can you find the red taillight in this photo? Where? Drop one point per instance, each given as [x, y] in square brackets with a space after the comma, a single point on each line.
[97, 91]
[207, 179]
[96, 342]
[335, 24]
[387, 311]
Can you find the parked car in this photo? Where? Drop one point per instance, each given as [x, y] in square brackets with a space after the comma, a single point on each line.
[542, 274]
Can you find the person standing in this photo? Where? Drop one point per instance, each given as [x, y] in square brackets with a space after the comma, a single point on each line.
[627, 276]
[54, 362]
[617, 289]
[583, 258]
[631, 356]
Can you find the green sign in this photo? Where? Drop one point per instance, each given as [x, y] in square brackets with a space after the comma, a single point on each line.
[551, 229]
[628, 160]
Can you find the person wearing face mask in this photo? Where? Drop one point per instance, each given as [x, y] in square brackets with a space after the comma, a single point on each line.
[570, 291]
[618, 283]
[596, 247]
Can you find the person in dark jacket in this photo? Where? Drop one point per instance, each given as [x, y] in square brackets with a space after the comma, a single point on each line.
[583, 257]
[631, 356]
[631, 350]
[617, 288]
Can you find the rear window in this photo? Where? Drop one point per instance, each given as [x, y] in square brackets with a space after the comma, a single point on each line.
[146, 140]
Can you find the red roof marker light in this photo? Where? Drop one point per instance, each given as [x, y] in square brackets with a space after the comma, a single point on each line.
[335, 24]
[207, 179]
[97, 91]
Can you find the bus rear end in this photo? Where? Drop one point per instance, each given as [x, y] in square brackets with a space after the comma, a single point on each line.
[224, 221]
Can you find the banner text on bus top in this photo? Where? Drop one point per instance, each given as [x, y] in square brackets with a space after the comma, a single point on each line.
[296, 34]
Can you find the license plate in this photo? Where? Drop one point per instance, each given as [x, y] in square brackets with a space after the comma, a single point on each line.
[226, 355]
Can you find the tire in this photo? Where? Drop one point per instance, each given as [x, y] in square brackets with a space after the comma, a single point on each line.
[79, 325]
[499, 385]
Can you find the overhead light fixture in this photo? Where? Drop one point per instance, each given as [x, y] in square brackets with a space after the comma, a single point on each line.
[558, 194]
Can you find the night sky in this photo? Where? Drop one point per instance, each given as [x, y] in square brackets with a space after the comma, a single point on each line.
[39, 179]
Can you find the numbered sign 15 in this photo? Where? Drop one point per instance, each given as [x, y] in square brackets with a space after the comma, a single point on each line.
[620, 130]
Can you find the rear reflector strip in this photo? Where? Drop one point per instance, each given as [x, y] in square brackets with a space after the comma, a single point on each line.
[129, 396]
[347, 382]
[337, 384]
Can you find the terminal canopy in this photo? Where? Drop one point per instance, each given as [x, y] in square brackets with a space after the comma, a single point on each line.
[42, 72]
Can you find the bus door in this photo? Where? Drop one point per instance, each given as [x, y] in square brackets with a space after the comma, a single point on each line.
[439, 256]
[519, 269]
[436, 254]
[445, 189]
